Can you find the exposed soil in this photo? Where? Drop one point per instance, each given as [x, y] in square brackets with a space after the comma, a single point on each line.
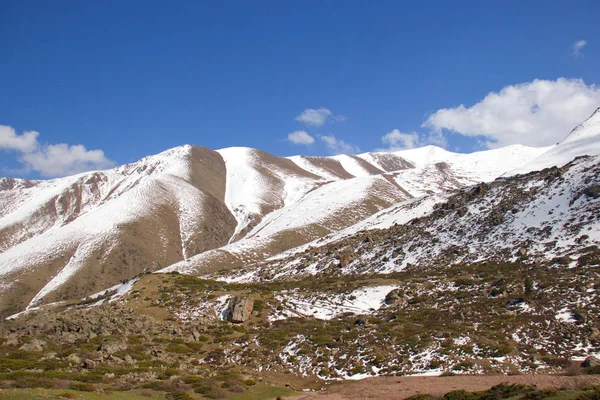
[391, 388]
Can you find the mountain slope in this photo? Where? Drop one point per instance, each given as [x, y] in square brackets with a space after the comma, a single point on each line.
[583, 140]
[338, 204]
[193, 208]
[95, 229]
[552, 215]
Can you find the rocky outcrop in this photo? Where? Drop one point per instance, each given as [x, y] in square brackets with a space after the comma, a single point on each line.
[395, 297]
[239, 309]
[35, 345]
[591, 362]
[593, 191]
[112, 346]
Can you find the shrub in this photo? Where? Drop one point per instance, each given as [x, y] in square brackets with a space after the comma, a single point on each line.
[460, 395]
[259, 305]
[83, 387]
[503, 391]
[539, 395]
[178, 348]
[595, 395]
[464, 282]
[179, 396]
[217, 394]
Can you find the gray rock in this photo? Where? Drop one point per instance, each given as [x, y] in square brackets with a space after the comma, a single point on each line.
[74, 359]
[112, 346]
[591, 361]
[33, 345]
[593, 191]
[564, 260]
[239, 309]
[196, 335]
[12, 340]
[394, 297]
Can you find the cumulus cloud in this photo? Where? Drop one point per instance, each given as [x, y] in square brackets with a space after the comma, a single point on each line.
[537, 113]
[338, 146]
[9, 140]
[577, 47]
[63, 159]
[399, 140]
[318, 117]
[51, 160]
[300, 137]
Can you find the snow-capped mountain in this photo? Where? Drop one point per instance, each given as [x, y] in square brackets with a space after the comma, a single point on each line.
[199, 211]
[550, 215]
[583, 140]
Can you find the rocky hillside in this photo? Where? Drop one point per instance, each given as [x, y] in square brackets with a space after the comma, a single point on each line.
[70, 237]
[551, 215]
[325, 277]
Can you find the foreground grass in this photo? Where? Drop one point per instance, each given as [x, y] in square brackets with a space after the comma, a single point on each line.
[61, 394]
[519, 392]
[258, 392]
[261, 392]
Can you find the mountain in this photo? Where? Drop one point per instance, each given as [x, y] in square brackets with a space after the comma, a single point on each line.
[495, 278]
[199, 211]
[552, 215]
[300, 271]
[583, 140]
[344, 202]
[192, 208]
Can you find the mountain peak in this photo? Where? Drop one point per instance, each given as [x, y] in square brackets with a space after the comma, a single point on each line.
[583, 140]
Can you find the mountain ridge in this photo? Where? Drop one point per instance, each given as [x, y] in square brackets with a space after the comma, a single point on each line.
[191, 206]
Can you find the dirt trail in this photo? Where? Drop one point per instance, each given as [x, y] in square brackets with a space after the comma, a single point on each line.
[392, 388]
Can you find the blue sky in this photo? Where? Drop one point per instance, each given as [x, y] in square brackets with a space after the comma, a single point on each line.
[133, 78]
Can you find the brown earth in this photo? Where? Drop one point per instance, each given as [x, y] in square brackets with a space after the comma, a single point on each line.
[391, 388]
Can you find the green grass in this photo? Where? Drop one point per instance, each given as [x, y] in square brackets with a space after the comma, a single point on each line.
[61, 394]
[261, 392]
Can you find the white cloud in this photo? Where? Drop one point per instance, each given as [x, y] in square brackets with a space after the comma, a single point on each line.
[338, 146]
[63, 159]
[577, 47]
[313, 117]
[398, 140]
[9, 140]
[536, 113]
[300, 137]
[54, 159]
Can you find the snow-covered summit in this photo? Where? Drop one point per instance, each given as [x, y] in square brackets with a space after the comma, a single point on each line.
[426, 155]
[584, 140]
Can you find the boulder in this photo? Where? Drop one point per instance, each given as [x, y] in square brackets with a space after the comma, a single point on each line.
[112, 346]
[346, 259]
[564, 260]
[89, 364]
[394, 297]
[239, 309]
[12, 340]
[593, 191]
[73, 359]
[594, 333]
[33, 345]
[591, 361]
[522, 252]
